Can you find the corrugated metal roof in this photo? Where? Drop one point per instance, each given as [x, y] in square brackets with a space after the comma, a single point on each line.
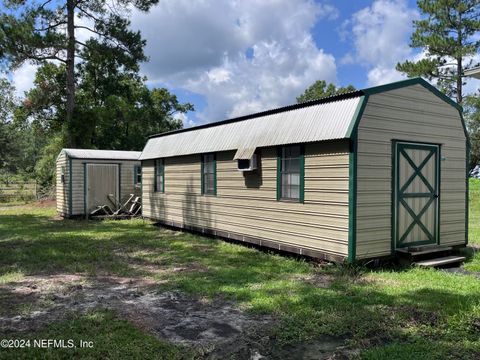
[244, 154]
[317, 121]
[102, 154]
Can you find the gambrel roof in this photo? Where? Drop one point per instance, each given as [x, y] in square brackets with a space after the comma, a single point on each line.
[330, 118]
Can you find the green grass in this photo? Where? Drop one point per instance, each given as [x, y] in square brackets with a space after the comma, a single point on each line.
[424, 314]
[111, 338]
[474, 223]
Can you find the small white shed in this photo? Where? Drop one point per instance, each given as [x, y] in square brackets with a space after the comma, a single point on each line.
[85, 178]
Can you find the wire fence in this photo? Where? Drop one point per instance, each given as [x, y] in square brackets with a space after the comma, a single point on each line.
[24, 191]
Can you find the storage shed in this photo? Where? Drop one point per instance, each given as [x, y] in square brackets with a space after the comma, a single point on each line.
[86, 177]
[354, 176]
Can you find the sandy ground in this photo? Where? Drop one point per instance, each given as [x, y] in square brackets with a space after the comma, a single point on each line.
[216, 329]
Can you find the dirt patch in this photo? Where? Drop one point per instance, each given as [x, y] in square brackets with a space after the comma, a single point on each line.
[43, 204]
[215, 328]
[318, 279]
[326, 347]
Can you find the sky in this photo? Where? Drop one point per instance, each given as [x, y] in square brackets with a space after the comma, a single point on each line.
[235, 57]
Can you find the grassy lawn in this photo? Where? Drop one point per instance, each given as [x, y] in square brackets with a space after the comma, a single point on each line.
[474, 224]
[381, 313]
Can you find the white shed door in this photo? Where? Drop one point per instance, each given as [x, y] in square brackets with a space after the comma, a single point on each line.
[101, 180]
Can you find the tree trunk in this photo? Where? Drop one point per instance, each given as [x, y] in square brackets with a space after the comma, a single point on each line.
[459, 81]
[70, 73]
[459, 59]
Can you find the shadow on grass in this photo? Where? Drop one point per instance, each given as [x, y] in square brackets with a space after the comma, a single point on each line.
[392, 306]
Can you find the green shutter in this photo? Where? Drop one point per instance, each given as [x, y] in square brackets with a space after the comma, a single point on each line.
[301, 197]
[215, 174]
[202, 158]
[163, 174]
[155, 174]
[279, 173]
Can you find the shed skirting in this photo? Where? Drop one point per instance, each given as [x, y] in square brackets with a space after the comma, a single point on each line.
[317, 254]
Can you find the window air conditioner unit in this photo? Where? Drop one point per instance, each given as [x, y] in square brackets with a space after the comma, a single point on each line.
[247, 164]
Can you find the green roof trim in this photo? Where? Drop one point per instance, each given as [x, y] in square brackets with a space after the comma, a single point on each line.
[426, 85]
[352, 180]
[352, 129]
[410, 82]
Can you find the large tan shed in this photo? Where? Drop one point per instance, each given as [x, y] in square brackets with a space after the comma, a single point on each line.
[355, 176]
[85, 178]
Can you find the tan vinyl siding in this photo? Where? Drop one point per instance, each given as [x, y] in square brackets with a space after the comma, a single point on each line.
[127, 180]
[411, 114]
[246, 204]
[62, 188]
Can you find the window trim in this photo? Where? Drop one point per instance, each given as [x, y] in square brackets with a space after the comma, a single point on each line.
[301, 187]
[162, 162]
[135, 174]
[202, 174]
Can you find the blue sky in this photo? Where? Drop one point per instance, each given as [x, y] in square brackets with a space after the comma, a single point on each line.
[231, 57]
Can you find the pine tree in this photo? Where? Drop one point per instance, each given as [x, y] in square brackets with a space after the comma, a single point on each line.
[46, 30]
[447, 34]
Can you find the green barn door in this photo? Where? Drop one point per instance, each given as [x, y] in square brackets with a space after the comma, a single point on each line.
[416, 191]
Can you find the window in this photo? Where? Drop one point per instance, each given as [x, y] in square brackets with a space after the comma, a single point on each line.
[160, 175]
[62, 175]
[137, 174]
[290, 173]
[209, 174]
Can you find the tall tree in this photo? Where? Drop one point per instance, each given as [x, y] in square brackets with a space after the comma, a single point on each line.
[472, 117]
[46, 30]
[448, 34]
[8, 104]
[320, 89]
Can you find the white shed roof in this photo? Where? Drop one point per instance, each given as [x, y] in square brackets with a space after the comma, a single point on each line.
[295, 124]
[474, 72]
[102, 154]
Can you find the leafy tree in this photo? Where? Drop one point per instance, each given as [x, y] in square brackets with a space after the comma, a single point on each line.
[46, 30]
[7, 107]
[448, 33]
[472, 117]
[320, 89]
[114, 110]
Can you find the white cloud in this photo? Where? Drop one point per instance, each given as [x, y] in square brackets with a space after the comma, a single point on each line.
[186, 121]
[380, 35]
[202, 46]
[23, 78]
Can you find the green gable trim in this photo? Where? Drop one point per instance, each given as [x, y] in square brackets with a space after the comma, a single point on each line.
[70, 200]
[352, 180]
[410, 82]
[426, 85]
[352, 129]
